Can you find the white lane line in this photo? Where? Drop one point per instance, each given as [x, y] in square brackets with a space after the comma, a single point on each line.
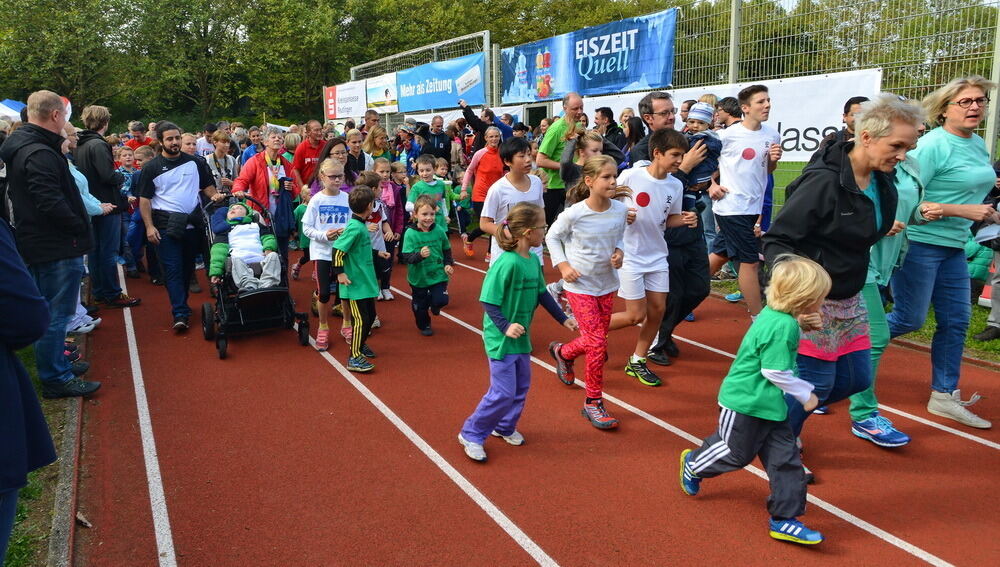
[501, 519]
[819, 502]
[157, 499]
[901, 413]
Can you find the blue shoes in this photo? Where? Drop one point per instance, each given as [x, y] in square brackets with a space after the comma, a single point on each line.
[734, 297]
[689, 317]
[879, 431]
[794, 531]
[690, 483]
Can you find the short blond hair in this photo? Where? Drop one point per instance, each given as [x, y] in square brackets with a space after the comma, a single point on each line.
[797, 283]
[144, 152]
[710, 99]
[330, 165]
[42, 103]
[935, 103]
[877, 115]
[95, 117]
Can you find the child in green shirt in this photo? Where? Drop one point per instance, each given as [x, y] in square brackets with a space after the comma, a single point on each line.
[300, 211]
[354, 267]
[753, 420]
[513, 288]
[428, 253]
[428, 186]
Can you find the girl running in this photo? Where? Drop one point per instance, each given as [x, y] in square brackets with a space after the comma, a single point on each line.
[513, 288]
[586, 244]
[485, 169]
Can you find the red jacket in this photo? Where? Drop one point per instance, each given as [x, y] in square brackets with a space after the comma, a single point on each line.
[253, 178]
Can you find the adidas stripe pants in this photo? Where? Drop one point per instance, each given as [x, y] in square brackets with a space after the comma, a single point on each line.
[738, 440]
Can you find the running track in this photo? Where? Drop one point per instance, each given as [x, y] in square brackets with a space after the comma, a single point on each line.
[278, 456]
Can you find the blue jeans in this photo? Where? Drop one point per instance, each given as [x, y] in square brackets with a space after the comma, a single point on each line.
[124, 250]
[8, 509]
[177, 258]
[136, 240]
[102, 259]
[832, 381]
[708, 222]
[59, 282]
[938, 276]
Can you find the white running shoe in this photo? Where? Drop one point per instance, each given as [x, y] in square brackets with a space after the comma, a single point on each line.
[952, 407]
[377, 323]
[514, 438]
[387, 295]
[474, 451]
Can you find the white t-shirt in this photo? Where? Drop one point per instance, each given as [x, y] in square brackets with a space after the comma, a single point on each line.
[586, 239]
[654, 200]
[501, 198]
[323, 213]
[203, 147]
[743, 169]
[377, 217]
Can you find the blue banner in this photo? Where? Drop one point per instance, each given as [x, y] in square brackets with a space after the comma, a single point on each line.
[628, 55]
[441, 84]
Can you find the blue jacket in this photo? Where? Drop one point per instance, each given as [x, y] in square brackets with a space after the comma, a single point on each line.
[25, 443]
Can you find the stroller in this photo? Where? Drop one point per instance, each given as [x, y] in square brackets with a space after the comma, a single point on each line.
[238, 312]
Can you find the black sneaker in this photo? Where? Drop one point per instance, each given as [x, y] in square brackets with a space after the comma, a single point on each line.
[122, 300]
[80, 367]
[367, 352]
[435, 310]
[639, 371]
[156, 281]
[990, 333]
[671, 350]
[181, 324]
[427, 332]
[658, 357]
[132, 274]
[70, 389]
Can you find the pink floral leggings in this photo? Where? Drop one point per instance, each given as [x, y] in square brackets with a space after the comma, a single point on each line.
[593, 314]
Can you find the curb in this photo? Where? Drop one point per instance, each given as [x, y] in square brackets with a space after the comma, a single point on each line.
[63, 532]
[902, 343]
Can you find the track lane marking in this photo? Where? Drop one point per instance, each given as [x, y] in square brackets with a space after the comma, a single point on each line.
[885, 536]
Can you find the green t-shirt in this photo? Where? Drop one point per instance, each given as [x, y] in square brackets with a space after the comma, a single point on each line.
[300, 212]
[552, 145]
[513, 283]
[954, 170]
[437, 190]
[430, 270]
[772, 343]
[356, 245]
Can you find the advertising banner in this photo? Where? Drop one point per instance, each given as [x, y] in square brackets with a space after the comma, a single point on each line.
[442, 83]
[330, 102]
[345, 101]
[803, 109]
[627, 55]
[381, 93]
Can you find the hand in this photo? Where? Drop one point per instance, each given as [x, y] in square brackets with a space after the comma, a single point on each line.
[515, 330]
[690, 218]
[694, 156]
[396, 236]
[132, 200]
[388, 236]
[372, 227]
[630, 215]
[716, 191]
[226, 182]
[425, 252]
[617, 257]
[931, 211]
[981, 213]
[462, 103]
[897, 227]
[774, 152]
[216, 280]
[152, 235]
[757, 232]
[449, 270]
[240, 194]
[463, 195]
[217, 197]
[571, 324]
[106, 208]
[568, 272]
[343, 279]
[332, 234]
[811, 403]
[384, 255]
[288, 186]
[810, 321]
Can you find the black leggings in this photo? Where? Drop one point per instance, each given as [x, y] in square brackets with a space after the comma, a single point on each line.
[554, 200]
[324, 279]
[477, 232]
[383, 266]
[362, 316]
[305, 256]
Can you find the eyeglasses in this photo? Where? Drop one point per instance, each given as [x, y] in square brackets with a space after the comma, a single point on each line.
[663, 113]
[543, 227]
[967, 102]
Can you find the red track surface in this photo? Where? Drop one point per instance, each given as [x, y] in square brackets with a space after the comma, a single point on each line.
[272, 457]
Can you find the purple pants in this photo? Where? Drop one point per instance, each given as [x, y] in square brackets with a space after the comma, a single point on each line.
[501, 407]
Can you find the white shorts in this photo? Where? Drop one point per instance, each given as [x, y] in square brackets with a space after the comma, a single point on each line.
[634, 285]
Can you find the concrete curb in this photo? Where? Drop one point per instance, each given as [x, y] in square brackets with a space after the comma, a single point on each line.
[61, 536]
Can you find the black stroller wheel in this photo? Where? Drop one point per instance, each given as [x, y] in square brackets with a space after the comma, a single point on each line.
[221, 344]
[304, 333]
[208, 320]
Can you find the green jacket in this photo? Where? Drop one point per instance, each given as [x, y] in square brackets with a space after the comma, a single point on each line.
[980, 258]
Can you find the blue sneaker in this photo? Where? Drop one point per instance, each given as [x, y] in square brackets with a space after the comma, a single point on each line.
[734, 297]
[689, 317]
[794, 531]
[879, 431]
[821, 410]
[690, 483]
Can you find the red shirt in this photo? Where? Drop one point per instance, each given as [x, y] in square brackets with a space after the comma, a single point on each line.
[133, 143]
[306, 159]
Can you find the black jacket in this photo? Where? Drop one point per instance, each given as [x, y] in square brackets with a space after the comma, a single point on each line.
[94, 159]
[640, 151]
[615, 135]
[438, 145]
[826, 217]
[50, 220]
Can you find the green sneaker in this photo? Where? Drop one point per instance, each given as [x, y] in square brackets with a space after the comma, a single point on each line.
[639, 371]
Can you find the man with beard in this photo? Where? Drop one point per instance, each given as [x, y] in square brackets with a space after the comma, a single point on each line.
[168, 201]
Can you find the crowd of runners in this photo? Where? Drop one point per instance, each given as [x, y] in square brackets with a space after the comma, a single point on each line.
[645, 207]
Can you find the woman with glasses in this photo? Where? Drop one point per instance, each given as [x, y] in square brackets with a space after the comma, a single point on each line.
[956, 172]
[335, 149]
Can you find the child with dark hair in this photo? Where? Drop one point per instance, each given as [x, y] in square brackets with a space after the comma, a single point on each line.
[355, 271]
[517, 186]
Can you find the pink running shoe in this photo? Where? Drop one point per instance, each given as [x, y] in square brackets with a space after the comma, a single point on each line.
[322, 339]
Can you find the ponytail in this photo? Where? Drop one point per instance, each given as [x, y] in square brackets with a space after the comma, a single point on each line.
[519, 221]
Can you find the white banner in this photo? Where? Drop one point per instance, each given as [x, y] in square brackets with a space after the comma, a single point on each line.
[351, 100]
[803, 109]
[381, 92]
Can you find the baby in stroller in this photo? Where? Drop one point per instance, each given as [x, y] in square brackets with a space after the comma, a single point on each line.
[244, 247]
